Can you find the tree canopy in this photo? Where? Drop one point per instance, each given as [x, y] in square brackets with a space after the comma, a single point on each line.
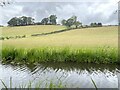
[21, 21]
[96, 24]
[51, 20]
[71, 21]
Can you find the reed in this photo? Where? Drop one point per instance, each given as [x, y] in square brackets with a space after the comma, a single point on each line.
[30, 85]
[101, 55]
[50, 85]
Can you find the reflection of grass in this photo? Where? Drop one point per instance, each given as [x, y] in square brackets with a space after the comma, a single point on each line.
[98, 55]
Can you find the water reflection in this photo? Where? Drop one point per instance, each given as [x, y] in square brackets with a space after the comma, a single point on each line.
[71, 74]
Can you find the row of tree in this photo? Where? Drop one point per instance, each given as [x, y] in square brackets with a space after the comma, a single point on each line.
[48, 21]
[51, 20]
[96, 24]
[24, 21]
[21, 21]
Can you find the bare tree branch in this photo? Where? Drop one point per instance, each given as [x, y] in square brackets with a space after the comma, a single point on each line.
[5, 2]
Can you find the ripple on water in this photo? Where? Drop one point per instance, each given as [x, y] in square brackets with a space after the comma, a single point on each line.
[71, 75]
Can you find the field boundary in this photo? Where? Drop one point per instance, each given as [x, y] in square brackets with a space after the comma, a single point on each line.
[55, 32]
[60, 31]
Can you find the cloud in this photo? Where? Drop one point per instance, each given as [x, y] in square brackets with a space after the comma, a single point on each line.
[86, 12]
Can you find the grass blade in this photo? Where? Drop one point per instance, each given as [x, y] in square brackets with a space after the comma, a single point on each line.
[10, 82]
[94, 84]
[4, 85]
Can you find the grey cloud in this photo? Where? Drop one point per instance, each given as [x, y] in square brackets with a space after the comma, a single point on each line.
[113, 18]
[86, 11]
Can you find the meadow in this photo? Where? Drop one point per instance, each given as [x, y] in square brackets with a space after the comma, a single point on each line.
[28, 30]
[87, 45]
[86, 37]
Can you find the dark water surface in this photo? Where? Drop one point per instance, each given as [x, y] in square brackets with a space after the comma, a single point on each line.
[71, 75]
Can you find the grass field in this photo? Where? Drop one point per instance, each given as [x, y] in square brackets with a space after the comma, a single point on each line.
[87, 45]
[87, 37]
[28, 30]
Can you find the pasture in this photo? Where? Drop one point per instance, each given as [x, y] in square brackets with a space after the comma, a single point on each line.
[28, 30]
[77, 38]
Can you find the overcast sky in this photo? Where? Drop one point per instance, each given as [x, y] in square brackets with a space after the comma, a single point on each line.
[87, 11]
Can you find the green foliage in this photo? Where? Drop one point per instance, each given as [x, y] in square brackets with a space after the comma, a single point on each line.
[24, 21]
[96, 24]
[45, 21]
[71, 21]
[38, 85]
[13, 21]
[63, 22]
[21, 21]
[77, 24]
[53, 19]
[51, 85]
[11, 37]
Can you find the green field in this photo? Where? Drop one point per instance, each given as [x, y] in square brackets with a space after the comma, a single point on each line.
[86, 45]
[28, 30]
[86, 37]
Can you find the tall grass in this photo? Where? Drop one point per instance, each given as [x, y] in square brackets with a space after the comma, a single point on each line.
[30, 85]
[49, 85]
[97, 55]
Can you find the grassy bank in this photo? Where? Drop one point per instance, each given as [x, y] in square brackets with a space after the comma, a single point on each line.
[84, 55]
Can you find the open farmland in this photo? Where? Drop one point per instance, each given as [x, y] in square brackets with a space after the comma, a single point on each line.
[28, 30]
[86, 37]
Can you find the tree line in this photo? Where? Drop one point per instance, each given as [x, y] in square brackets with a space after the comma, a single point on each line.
[24, 21]
[21, 21]
[51, 20]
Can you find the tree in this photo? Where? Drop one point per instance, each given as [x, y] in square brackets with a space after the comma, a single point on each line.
[77, 24]
[96, 24]
[69, 22]
[63, 22]
[91, 24]
[74, 19]
[21, 21]
[30, 21]
[53, 19]
[13, 22]
[100, 24]
[45, 21]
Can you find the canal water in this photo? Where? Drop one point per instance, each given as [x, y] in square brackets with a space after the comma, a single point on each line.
[70, 75]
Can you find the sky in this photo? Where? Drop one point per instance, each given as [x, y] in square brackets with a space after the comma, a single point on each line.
[87, 11]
